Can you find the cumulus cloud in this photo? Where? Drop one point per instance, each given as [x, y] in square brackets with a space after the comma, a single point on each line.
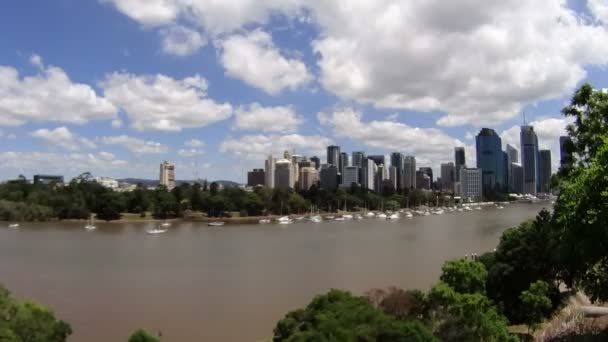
[194, 143]
[190, 152]
[548, 132]
[430, 146]
[254, 59]
[116, 123]
[36, 60]
[49, 95]
[599, 9]
[258, 147]
[279, 119]
[62, 137]
[181, 41]
[136, 145]
[163, 103]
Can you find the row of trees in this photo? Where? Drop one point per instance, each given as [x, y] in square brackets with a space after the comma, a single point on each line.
[517, 283]
[22, 201]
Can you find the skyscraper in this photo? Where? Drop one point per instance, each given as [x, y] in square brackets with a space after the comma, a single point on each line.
[329, 177]
[544, 165]
[350, 176]
[358, 159]
[459, 163]
[256, 177]
[471, 184]
[369, 174]
[333, 155]
[269, 168]
[343, 162]
[317, 162]
[529, 159]
[512, 158]
[429, 172]
[490, 160]
[167, 175]
[565, 157]
[398, 161]
[378, 159]
[518, 178]
[308, 177]
[409, 172]
[283, 174]
[447, 177]
[393, 177]
[423, 181]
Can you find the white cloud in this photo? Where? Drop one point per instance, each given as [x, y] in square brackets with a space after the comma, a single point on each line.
[48, 96]
[148, 12]
[181, 41]
[116, 123]
[135, 145]
[258, 147]
[548, 132]
[13, 163]
[599, 9]
[62, 137]
[255, 60]
[469, 136]
[194, 143]
[278, 119]
[190, 152]
[162, 103]
[430, 146]
[36, 60]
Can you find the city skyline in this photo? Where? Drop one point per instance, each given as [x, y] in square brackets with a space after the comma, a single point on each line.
[172, 84]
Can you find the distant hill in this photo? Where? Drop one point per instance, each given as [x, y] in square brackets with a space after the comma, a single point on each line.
[154, 182]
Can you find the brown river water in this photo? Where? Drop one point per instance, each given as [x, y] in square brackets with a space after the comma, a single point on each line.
[200, 283]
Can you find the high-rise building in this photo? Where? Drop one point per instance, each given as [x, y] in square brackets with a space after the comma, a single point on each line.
[381, 175]
[459, 163]
[283, 174]
[295, 168]
[350, 176]
[317, 162]
[393, 176]
[308, 177]
[423, 181]
[378, 159]
[343, 162]
[518, 178]
[167, 175]
[333, 155]
[409, 172]
[427, 171]
[398, 161]
[269, 168]
[490, 159]
[529, 159]
[544, 165]
[565, 157]
[471, 184]
[256, 177]
[448, 177]
[329, 177]
[369, 174]
[512, 157]
[358, 159]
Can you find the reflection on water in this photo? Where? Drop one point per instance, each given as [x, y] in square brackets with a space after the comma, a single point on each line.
[233, 283]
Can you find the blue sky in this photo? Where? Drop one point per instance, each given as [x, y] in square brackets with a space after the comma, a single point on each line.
[117, 86]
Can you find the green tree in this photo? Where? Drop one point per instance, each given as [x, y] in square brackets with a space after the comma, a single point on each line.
[465, 276]
[29, 322]
[537, 303]
[339, 316]
[297, 203]
[141, 335]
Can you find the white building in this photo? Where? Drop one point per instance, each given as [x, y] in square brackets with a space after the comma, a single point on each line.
[107, 182]
[167, 175]
[269, 168]
[471, 184]
[369, 174]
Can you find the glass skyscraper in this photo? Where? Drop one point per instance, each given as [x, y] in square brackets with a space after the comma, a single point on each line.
[490, 159]
[529, 159]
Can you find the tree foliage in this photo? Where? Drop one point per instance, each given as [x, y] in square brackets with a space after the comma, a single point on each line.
[537, 303]
[465, 276]
[141, 335]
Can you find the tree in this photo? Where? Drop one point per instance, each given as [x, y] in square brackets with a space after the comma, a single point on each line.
[29, 322]
[297, 203]
[537, 303]
[141, 335]
[339, 316]
[465, 276]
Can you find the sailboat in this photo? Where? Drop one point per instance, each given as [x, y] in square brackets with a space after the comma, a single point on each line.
[346, 216]
[13, 225]
[165, 224]
[90, 224]
[314, 218]
[157, 230]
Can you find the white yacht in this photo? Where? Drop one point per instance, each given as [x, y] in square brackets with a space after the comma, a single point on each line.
[316, 219]
[264, 221]
[468, 209]
[340, 218]
[90, 224]
[358, 217]
[13, 225]
[477, 208]
[370, 214]
[347, 217]
[409, 215]
[438, 212]
[216, 224]
[157, 230]
[284, 220]
[393, 216]
[165, 224]
[381, 216]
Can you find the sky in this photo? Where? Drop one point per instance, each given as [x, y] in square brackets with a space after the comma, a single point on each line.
[114, 87]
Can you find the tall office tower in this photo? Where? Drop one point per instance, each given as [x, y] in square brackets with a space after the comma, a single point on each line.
[295, 168]
[308, 177]
[427, 171]
[471, 184]
[283, 174]
[544, 165]
[350, 176]
[506, 170]
[381, 175]
[448, 177]
[167, 175]
[378, 159]
[333, 155]
[343, 162]
[490, 160]
[565, 157]
[512, 157]
[256, 177]
[317, 162]
[459, 163]
[409, 172]
[518, 178]
[358, 159]
[529, 159]
[423, 181]
[398, 161]
[393, 176]
[329, 177]
[369, 174]
[269, 168]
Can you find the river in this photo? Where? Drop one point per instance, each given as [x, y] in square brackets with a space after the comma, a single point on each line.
[199, 283]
